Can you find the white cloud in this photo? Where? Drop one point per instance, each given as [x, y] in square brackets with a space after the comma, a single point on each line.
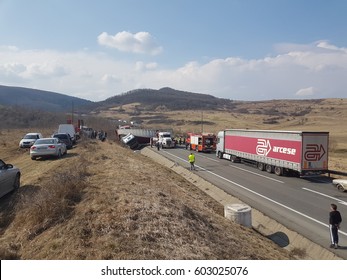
[141, 42]
[304, 92]
[318, 70]
[141, 66]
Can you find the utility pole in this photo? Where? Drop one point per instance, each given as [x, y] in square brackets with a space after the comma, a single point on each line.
[72, 114]
[202, 121]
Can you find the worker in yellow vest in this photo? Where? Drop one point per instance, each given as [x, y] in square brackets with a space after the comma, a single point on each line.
[191, 159]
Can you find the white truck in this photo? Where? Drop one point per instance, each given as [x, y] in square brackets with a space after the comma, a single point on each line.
[130, 141]
[164, 140]
[69, 129]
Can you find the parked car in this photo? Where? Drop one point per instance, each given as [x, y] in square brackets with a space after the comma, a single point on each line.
[340, 184]
[46, 147]
[65, 138]
[29, 139]
[9, 178]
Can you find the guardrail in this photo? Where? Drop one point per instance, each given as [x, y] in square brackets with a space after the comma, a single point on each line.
[337, 172]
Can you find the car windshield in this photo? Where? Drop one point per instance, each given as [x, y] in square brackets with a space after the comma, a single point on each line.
[61, 136]
[31, 136]
[44, 141]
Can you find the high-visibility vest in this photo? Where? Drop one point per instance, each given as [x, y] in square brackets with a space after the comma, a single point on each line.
[191, 158]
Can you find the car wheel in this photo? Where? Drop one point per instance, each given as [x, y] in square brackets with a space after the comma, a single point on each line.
[59, 154]
[33, 158]
[16, 183]
[340, 188]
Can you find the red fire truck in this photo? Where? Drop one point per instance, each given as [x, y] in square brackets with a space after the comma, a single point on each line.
[203, 142]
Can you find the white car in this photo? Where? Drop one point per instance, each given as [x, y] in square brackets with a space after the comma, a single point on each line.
[29, 139]
[340, 184]
[47, 147]
[9, 178]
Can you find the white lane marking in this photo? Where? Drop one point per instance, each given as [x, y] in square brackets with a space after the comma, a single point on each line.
[331, 197]
[257, 174]
[209, 158]
[262, 196]
[245, 170]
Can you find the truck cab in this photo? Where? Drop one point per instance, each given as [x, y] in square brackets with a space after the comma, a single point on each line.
[165, 140]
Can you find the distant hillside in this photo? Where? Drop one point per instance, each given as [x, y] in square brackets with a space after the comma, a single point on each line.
[168, 98]
[39, 99]
[149, 99]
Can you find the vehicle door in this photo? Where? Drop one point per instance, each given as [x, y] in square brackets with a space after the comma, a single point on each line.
[5, 179]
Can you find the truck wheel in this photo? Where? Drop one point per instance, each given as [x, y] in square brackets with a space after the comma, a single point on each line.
[261, 166]
[278, 171]
[268, 168]
[197, 149]
[220, 155]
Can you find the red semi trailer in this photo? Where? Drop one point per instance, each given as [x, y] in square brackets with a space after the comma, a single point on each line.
[305, 153]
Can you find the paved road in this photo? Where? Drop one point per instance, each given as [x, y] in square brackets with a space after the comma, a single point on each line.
[302, 205]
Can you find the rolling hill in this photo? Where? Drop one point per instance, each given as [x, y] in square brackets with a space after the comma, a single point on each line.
[40, 99]
[168, 98]
[149, 99]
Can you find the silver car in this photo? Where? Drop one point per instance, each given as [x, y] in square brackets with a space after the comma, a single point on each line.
[9, 178]
[47, 147]
[29, 139]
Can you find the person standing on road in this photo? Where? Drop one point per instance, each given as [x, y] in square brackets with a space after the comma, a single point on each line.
[191, 159]
[334, 225]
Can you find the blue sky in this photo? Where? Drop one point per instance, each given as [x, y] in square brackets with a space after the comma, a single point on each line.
[236, 49]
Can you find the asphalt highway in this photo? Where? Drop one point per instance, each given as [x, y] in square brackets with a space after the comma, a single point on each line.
[300, 204]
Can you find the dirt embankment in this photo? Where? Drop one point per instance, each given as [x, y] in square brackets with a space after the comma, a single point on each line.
[103, 201]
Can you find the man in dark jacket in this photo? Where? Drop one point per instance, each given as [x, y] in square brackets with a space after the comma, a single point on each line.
[334, 225]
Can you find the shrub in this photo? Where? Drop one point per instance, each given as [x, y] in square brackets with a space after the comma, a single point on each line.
[54, 203]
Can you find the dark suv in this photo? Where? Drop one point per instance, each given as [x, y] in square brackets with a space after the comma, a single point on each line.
[64, 137]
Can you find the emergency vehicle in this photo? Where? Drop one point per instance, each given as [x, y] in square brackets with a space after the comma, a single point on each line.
[203, 142]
